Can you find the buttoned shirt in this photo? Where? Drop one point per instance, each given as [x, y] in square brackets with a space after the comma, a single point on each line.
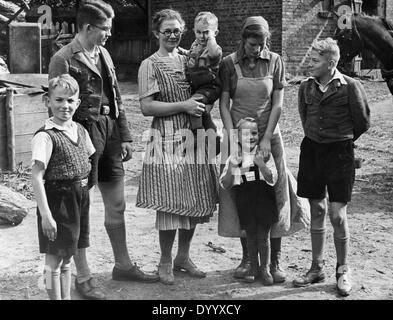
[336, 76]
[336, 112]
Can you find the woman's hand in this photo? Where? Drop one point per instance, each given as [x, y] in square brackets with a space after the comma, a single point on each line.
[258, 160]
[49, 227]
[193, 107]
[265, 148]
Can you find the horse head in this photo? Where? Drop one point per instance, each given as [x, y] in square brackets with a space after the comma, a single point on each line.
[349, 41]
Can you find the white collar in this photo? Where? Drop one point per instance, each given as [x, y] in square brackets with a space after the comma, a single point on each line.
[49, 124]
[337, 75]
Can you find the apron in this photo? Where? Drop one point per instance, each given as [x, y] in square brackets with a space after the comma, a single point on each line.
[253, 99]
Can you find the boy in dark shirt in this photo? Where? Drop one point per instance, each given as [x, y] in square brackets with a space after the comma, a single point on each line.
[334, 113]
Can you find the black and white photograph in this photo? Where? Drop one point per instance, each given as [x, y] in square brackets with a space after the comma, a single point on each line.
[200, 155]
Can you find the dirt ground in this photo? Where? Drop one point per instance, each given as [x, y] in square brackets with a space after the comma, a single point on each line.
[370, 220]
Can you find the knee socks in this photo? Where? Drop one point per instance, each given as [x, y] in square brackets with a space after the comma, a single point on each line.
[52, 283]
[243, 241]
[117, 237]
[263, 240]
[342, 246]
[65, 281]
[252, 247]
[318, 239]
[82, 268]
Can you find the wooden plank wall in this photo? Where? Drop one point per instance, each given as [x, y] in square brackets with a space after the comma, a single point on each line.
[3, 134]
[30, 114]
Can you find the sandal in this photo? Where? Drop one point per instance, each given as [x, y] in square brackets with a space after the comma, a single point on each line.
[190, 268]
[165, 273]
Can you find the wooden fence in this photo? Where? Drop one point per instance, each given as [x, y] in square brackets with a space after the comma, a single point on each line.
[21, 115]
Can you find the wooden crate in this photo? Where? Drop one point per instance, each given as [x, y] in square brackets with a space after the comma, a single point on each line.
[21, 115]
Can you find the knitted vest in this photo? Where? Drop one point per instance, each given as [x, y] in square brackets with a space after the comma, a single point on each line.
[69, 160]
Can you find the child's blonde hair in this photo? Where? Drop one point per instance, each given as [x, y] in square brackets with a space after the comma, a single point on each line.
[64, 81]
[245, 120]
[206, 17]
[327, 47]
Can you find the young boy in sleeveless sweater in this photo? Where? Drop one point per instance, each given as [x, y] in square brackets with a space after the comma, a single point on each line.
[60, 167]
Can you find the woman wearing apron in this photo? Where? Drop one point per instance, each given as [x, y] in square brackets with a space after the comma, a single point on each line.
[253, 78]
[182, 192]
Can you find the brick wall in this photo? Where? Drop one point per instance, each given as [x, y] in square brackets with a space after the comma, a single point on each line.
[301, 25]
[294, 24]
[389, 9]
[230, 16]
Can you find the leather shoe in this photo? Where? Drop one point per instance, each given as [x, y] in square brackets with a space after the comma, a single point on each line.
[165, 273]
[343, 283]
[266, 277]
[89, 290]
[133, 274]
[314, 275]
[275, 269]
[242, 269]
[188, 267]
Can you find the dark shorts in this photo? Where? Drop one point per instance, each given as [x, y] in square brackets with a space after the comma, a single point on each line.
[69, 205]
[330, 165]
[106, 164]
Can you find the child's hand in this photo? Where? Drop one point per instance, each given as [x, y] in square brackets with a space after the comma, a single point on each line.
[49, 227]
[235, 159]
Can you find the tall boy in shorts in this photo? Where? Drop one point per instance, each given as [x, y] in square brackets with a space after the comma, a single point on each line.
[334, 113]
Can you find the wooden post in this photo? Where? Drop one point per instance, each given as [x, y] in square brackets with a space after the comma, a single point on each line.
[9, 113]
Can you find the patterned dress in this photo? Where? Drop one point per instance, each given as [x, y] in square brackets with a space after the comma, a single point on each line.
[184, 192]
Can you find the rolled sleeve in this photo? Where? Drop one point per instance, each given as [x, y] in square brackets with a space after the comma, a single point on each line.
[278, 74]
[41, 148]
[89, 144]
[147, 80]
[225, 74]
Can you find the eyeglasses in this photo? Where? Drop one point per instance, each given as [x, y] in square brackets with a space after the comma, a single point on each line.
[106, 29]
[168, 33]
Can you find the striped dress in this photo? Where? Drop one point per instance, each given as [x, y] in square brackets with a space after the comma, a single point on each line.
[183, 192]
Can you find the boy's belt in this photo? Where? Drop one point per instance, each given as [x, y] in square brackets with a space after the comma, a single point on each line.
[64, 183]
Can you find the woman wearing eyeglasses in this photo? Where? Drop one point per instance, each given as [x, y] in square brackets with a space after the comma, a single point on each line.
[182, 191]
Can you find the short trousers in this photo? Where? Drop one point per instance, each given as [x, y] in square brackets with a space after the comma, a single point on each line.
[69, 205]
[107, 163]
[330, 165]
